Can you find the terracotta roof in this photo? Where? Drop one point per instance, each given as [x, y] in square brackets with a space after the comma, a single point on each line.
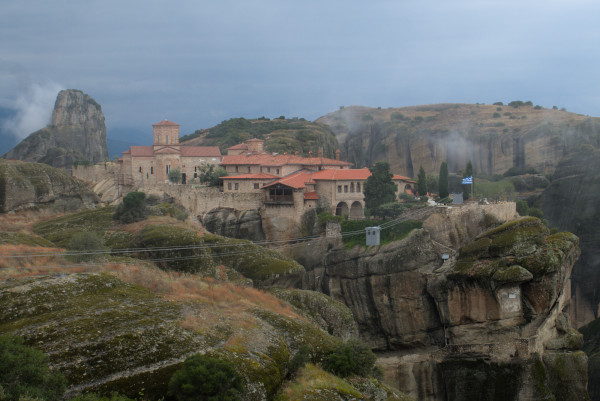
[140, 151]
[166, 122]
[403, 178]
[258, 176]
[281, 160]
[294, 180]
[198, 151]
[238, 146]
[343, 174]
[311, 196]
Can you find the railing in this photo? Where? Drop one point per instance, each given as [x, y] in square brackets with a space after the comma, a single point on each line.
[279, 199]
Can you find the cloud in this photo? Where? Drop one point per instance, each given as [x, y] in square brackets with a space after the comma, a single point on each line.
[33, 110]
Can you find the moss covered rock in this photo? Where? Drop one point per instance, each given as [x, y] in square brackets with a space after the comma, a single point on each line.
[329, 314]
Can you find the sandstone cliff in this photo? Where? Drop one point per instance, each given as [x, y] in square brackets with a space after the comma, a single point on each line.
[26, 185]
[489, 323]
[76, 132]
[494, 138]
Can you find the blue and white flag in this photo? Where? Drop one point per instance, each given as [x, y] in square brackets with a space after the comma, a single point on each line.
[467, 180]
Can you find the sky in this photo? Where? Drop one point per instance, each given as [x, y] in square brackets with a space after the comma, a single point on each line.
[200, 62]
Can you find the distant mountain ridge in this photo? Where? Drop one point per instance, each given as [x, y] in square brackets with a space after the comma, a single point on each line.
[495, 137]
[77, 132]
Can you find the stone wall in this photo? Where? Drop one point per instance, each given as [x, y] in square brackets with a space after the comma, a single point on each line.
[96, 172]
[200, 199]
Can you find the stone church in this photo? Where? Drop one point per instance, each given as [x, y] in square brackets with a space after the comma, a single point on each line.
[151, 164]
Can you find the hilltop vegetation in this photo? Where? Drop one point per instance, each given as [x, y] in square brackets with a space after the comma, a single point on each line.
[281, 135]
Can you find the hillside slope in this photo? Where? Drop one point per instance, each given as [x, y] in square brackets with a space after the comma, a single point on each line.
[280, 135]
[494, 137]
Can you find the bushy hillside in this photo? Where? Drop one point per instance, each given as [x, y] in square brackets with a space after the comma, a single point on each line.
[280, 135]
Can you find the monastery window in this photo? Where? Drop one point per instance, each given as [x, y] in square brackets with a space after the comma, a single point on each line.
[166, 140]
[268, 169]
[140, 169]
[237, 186]
[236, 169]
[339, 189]
[195, 175]
[248, 168]
[351, 187]
[229, 185]
[256, 185]
[277, 171]
[167, 168]
[345, 189]
[151, 170]
[358, 187]
[195, 168]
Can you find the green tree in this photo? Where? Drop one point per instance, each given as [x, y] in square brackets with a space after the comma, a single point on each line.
[467, 188]
[211, 175]
[443, 181]
[175, 176]
[206, 379]
[421, 182]
[133, 208]
[24, 373]
[432, 183]
[379, 187]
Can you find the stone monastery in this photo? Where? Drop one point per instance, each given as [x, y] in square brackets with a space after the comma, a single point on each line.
[278, 180]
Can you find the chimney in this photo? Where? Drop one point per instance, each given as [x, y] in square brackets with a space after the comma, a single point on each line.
[337, 154]
[320, 153]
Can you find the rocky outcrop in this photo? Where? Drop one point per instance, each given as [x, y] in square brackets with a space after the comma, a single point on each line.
[26, 185]
[229, 222]
[488, 322]
[495, 138]
[76, 132]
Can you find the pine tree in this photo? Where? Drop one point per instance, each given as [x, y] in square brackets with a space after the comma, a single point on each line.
[379, 188]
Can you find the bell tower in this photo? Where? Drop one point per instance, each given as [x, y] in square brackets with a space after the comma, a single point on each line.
[165, 133]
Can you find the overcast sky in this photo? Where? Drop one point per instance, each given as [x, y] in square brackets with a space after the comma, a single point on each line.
[200, 62]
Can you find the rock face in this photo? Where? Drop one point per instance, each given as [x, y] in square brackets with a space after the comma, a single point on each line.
[572, 203]
[24, 185]
[76, 132]
[228, 222]
[494, 138]
[489, 323]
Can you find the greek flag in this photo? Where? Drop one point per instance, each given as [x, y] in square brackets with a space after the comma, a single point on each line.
[467, 180]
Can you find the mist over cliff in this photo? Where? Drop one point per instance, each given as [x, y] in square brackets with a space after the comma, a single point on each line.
[76, 132]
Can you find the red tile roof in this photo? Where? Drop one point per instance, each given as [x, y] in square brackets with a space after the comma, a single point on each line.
[403, 178]
[311, 196]
[258, 176]
[199, 151]
[295, 180]
[238, 146]
[141, 151]
[280, 160]
[343, 174]
[166, 122]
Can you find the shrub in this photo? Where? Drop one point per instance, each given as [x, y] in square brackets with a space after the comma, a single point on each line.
[205, 378]
[86, 242]
[211, 175]
[300, 359]
[24, 373]
[522, 207]
[132, 209]
[98, 397]
[352, 358]
[496, 115]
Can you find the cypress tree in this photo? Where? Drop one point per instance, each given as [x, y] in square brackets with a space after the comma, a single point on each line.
[422, 182]
[443, 181]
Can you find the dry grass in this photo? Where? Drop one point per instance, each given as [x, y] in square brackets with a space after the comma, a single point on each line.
[209, 301]
[22, 221]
